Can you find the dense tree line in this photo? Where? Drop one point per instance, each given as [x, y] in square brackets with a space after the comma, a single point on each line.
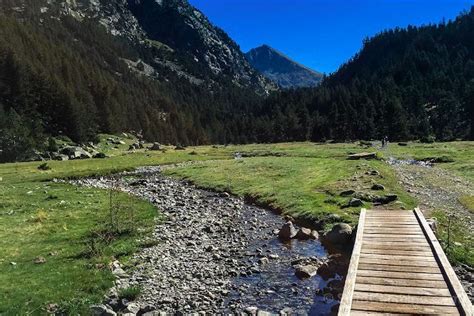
[69, 78]
[413, 83]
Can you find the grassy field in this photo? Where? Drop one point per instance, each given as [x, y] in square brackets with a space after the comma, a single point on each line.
[66, 225]
[461, 155]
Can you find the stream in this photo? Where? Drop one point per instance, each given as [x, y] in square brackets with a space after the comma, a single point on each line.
[216, 254]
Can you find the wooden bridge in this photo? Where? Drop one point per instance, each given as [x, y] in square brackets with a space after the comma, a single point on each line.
[398, 267]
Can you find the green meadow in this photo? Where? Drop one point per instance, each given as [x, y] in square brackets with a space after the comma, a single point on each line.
[68, 226]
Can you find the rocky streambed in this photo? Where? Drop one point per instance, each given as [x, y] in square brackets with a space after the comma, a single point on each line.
[216, 254]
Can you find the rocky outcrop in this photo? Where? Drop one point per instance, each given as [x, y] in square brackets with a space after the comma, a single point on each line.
[174, 32]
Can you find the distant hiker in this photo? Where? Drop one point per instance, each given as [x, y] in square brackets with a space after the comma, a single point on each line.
[383, 142]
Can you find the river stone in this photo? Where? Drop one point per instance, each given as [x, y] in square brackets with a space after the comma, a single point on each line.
[252, 310]
[306, 271]
[287, 231]
[101, 310]
[340, 234]
[304, 233]
[133, 308]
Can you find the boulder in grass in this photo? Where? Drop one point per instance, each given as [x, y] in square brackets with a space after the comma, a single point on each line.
[100, 155]
[378, 187]
[74, 152]
[362, 156]
[347, 193]
[387, 198]
[355, 202]
[155, 146]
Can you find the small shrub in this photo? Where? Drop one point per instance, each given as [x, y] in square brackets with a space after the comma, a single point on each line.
[44, 167]
[40, 217]
[428, 139]
[130, 293]
[442, 159]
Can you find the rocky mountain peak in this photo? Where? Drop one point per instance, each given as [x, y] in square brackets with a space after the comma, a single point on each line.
[281, 69]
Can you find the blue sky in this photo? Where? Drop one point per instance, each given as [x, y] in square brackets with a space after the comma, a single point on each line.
[321, 34]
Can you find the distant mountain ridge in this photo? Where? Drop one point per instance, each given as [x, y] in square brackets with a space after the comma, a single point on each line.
[281, 69]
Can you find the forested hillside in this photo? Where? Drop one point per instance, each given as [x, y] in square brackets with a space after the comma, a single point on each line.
[414, 83]
[71, 77]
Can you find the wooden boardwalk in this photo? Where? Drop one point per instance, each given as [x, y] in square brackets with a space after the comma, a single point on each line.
[399, 268]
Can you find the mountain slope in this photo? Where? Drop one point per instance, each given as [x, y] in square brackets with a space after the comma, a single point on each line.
[173, 33]
[77, 68]
[281, 69]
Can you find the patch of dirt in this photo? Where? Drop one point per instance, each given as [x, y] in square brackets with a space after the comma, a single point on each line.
[439, 189]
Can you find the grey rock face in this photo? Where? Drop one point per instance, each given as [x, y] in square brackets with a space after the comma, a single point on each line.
[179, 32]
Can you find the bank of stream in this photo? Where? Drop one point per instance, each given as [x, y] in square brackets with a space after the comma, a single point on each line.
[215, 253]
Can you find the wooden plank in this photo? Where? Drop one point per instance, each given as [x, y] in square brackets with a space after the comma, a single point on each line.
[395, 243]
[405, 238]
[367, 313]
[460, 296]
[399, 262]
[403, 299]
[391, 225]
[394, 267]
[346, 300]
[395, 258]
[389, 213]
[398, 220]
[391, 236]
[402, 290]
[401, 282]
[396, 252]
[401, 275]
[398, 231]
[389, 217]
[422, 247]
[404, 308]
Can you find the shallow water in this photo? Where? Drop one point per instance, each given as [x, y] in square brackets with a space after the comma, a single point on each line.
[277, 287]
